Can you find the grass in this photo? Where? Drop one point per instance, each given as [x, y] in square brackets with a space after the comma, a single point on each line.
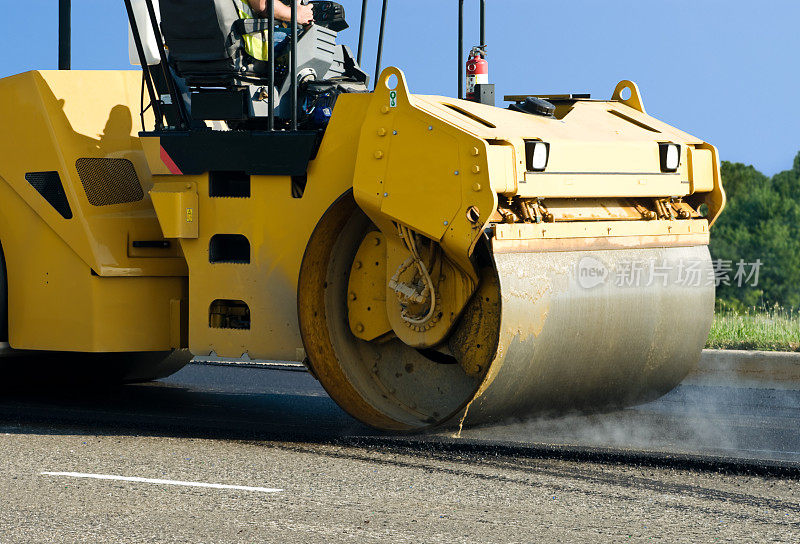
[773, 329]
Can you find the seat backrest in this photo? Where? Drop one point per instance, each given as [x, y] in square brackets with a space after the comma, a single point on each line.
[199, 30]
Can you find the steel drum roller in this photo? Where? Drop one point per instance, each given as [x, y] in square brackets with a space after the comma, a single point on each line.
[570, 342]
[561, 342]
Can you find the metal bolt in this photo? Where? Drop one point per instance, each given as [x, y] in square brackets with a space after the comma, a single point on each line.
[381, 132]
[358, 265]
[359, 327]
[476, 187]
[353, 296]
[379, 154]
[476, 169]
[476, 151]
[377, 241]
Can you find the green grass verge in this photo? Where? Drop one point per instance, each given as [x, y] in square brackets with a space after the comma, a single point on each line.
[765, 330]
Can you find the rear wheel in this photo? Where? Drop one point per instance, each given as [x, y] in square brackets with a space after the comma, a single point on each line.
[61, 367]
[3, 299]
[105, 368]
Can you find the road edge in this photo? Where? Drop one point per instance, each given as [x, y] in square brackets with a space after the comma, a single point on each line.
[758, 369]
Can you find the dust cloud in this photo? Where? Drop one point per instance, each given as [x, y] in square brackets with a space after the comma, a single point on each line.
[729, 421]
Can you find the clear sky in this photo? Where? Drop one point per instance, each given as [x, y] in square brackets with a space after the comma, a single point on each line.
[723, 70]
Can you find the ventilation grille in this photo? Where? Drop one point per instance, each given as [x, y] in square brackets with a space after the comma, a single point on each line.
[49, 186]
[109, 181]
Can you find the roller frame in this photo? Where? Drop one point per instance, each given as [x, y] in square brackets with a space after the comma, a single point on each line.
[82, 285]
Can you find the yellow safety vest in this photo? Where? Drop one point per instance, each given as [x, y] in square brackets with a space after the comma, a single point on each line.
[257, 43]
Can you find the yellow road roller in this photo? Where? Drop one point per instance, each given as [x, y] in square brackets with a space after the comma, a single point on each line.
[252, 192]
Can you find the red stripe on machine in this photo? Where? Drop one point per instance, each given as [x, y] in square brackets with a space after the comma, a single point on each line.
[167, 160]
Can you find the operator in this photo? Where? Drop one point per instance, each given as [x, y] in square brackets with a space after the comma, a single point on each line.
[256, 44]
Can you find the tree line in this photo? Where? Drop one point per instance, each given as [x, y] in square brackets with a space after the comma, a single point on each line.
[760, 223]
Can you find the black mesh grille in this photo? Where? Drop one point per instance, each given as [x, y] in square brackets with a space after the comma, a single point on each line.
[109, 181]
[49, 186]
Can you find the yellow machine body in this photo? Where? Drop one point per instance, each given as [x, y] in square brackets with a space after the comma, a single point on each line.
[76, 283]
[319, 270]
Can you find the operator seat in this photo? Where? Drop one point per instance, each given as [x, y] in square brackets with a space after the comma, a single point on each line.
[206, 49]
[204, 39]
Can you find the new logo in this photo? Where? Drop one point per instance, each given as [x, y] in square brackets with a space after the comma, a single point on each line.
[591, 273]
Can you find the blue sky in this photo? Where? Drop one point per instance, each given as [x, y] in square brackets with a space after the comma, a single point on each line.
[723, 70]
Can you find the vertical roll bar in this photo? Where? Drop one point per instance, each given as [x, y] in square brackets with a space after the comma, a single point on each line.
[461, 65]
[64, 34]
[271, 61]
[363, 29]
[294, 66]
[483, 23]
[175, 96]
[461, 49]
[380, 42]
[148, 78]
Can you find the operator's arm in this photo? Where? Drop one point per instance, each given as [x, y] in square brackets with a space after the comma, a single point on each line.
[305, 14]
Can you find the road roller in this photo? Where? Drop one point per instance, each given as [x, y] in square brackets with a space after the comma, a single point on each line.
[252, 192]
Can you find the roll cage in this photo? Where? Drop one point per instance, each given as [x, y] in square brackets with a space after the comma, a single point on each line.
[169, 107]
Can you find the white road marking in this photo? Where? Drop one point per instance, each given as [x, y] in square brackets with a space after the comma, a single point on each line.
[162, 482]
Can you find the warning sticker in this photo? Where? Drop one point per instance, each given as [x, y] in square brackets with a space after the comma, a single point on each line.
[392, 99]
[190, 215]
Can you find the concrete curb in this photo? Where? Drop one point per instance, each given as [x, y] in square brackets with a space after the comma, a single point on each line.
[717, 367]
[758, 369]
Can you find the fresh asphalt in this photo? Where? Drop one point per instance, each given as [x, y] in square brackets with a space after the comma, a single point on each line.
[249, 454]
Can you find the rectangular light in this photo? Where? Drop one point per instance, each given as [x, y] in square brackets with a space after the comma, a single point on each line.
[537, 154]
[670, 157]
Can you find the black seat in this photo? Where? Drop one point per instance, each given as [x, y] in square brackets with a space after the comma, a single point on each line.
[207, 52]
[204, 39]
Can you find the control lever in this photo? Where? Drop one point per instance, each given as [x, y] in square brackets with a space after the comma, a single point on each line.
[329, 14]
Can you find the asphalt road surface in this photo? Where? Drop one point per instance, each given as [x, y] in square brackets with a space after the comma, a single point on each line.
[220, 454]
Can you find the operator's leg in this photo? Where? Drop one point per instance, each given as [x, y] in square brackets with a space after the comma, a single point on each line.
[281, 40]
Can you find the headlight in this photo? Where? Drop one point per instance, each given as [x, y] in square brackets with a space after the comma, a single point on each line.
[670, 157]
[538, 154]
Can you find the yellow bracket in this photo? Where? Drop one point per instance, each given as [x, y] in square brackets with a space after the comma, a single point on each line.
[175, 203]
[431, 174]
[635, 99]
[423, 171]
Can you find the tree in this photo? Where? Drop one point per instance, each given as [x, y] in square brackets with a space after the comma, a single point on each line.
[761, 222]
